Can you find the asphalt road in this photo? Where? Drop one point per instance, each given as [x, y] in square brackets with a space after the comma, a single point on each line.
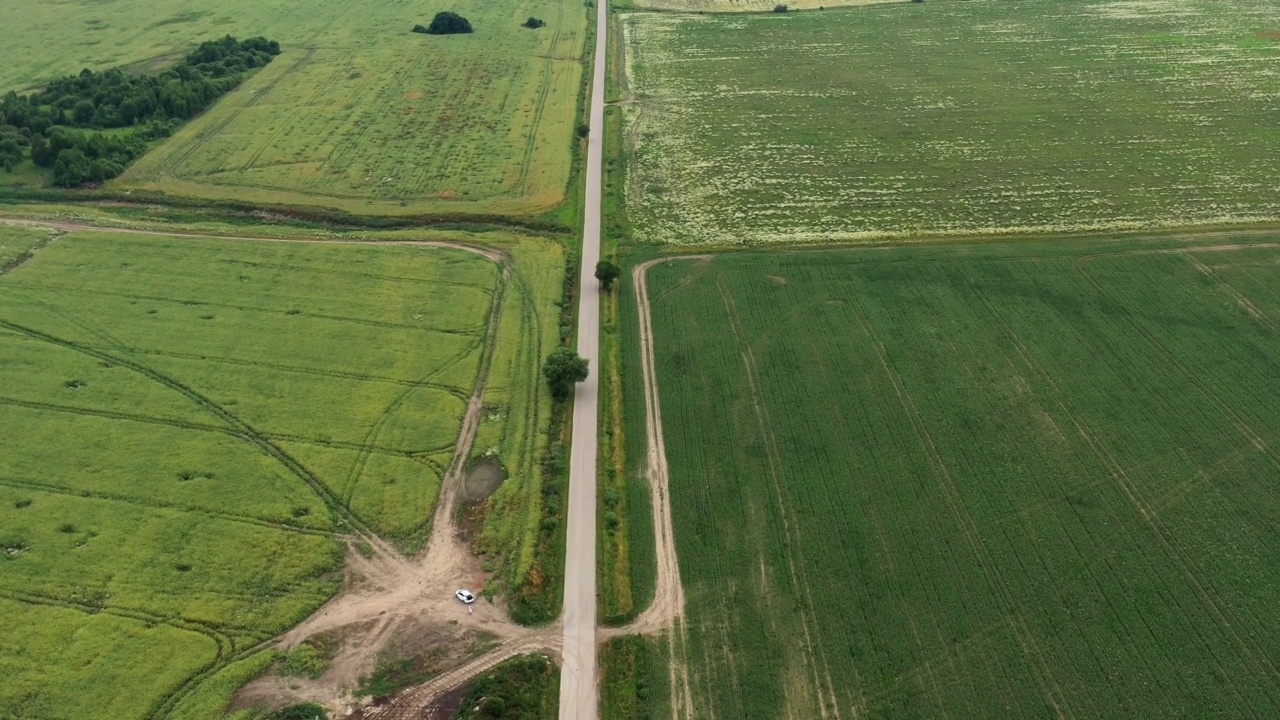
[579, 699]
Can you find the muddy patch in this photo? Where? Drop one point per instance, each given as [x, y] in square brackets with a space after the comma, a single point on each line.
[483, 478]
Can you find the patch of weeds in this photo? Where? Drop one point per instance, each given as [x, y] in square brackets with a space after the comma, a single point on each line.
[182, 567]
[74, 384]
[20, 504]
[67, 528]
[364, 548]
[393, 675]
[311, 658]
[522, 687]
[305, 711]
[300, 512]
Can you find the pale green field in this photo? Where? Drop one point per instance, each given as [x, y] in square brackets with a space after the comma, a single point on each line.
[357, 113]
[187, 422]
[970, 118]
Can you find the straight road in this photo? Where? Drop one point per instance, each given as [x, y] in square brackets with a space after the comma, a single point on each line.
[578, 697]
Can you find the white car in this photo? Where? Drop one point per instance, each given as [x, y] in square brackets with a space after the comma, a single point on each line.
[465, 596]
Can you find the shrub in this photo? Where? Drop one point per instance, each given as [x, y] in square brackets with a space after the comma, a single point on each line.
[448, 23]
[533, 23]
[583, 130]
[780, 8]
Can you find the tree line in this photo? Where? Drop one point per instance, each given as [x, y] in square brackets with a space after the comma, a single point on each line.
[50, 123]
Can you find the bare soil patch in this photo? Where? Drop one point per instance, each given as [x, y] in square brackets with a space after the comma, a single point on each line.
[483, 478]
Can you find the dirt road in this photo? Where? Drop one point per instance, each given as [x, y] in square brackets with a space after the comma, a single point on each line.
[578, 698]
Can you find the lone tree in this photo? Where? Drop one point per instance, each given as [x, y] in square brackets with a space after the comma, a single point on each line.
[533, 23]
[606, 273]
[564, 369]
[780, 8]
[447, 23]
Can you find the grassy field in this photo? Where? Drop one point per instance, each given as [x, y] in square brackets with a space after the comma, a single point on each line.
[17, 243]
[977, 480]
[721, 6]
[967, 117]
[187, 422]
[357, 114]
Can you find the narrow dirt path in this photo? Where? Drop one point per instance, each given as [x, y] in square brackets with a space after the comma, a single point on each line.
[666, 613]
[668, 598]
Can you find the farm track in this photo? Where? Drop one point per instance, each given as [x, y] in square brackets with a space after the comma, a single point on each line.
[665, 614]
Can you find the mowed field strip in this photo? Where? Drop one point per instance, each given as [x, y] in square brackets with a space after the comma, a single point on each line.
[358, 114]
[1026, 480]
[189, 423]
[977, 118]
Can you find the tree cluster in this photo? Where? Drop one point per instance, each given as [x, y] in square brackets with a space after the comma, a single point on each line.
[152, 103]
[446, 23]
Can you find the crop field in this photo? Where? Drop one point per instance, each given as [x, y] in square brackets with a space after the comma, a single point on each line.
[188, 422]
[977, 117]
[977, 480]
[747, 5]
[358, 113]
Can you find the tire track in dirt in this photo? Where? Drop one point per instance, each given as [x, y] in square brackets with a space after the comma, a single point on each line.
[666, 613]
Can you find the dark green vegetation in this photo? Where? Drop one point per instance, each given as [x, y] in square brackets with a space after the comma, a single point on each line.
[633, 679]
[564, 369]
[606, 272]
[187, 423]
[522, 688]
[306, 711]
[533, 23]
[977, 480]
[151, 103]
[446, 23]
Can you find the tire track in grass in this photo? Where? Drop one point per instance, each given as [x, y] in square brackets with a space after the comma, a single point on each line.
[1254, 311]
[548, 75]
[245, 431]
[221, 429]
[162, 505]
[1223, 614]
[964, 522]
[248, 308]
[171, 166]
[475, 402]
[1113, 467]
[299, 370]
[816, 655]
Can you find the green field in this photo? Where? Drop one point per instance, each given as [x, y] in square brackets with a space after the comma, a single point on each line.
[17, 242]
[357, 114]
[188, 422]
[951, 117]
[977, 480]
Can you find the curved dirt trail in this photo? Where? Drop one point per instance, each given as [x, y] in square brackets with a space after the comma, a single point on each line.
[666, 613]
[668, 597]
